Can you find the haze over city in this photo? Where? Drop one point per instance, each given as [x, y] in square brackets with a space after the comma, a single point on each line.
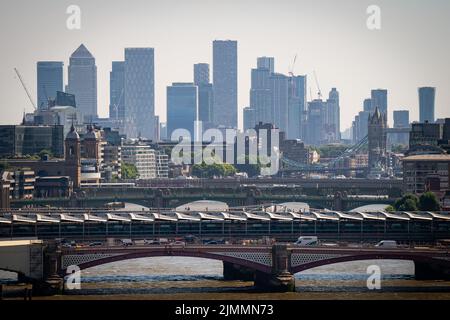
[410, 50]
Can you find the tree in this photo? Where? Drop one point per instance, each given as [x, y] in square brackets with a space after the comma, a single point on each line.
[213, 170]
[389, 209]
[129, 171]
[429, 202]
[45, 152]
[408, 202]
[251, 170]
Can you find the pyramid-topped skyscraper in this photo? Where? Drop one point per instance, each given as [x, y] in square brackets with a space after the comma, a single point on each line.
[83, 82]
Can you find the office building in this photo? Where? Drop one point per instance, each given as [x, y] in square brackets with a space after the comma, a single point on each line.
[279, 88]
[23, 140]
[249, 118]
[261, 96]
[201, 73]
[182, 107]
[140, 93]
[83, 82]
[332, 118]
[267, 63]
[225, 82]
[205, 95]
[379, 100]
[49, 81]
[142, 157]
[297, 107]
[117, 91]
[426, 104]
[428, 172]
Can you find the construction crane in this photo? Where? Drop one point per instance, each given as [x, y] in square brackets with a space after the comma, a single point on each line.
[116, 107]
[25, 88]
[319, 92]
[291, 74]
[291, 69]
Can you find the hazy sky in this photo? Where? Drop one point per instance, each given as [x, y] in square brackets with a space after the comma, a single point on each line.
[412, 48]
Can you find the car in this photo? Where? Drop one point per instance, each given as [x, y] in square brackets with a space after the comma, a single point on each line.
[212, 242]
[387, 244]
[152, 242]
[95, 244]
[179, 243]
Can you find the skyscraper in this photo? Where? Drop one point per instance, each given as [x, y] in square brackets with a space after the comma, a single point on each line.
[279, 88]
[205, 94]
[426, 104]
[316, 122]
[181, 107]
[49, 81]
[225, 83]
[83, 82]
[297, 107]
[401, 119]
[332, 121]
[201, 73]
[140, 93]
[117, 91]
[260, 95]
[249, 118]
[367, 105]
[266, 63]
[379, 100]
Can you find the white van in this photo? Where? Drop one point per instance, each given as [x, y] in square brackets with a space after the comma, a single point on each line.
[387, 244]
[127, 242]
[307, 241]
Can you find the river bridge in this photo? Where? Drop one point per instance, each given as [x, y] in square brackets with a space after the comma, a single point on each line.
[215, 220]
[271, 267]
[337, 194]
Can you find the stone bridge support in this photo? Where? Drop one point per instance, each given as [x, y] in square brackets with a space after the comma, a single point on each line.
[432, 271]
[280, 279]
[52, 283]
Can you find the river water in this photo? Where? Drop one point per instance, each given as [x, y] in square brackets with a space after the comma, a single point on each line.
[197, 278]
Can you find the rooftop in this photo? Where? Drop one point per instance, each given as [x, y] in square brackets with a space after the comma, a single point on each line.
[428, 157]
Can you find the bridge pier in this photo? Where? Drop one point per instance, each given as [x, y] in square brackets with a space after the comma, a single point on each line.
[52, 282]
[431, 271]
[280, 279]
[233, 271]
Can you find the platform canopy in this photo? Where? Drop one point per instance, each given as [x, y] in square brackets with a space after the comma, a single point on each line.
[203, 206]
[371, 208]
[294, 206]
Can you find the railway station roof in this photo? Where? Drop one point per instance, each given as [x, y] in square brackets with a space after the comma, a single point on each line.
[203, 205]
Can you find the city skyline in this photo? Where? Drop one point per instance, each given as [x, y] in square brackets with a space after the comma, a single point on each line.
[401, 64]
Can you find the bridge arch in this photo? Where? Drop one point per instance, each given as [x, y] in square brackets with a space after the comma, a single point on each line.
[372, 256]
[171, 253]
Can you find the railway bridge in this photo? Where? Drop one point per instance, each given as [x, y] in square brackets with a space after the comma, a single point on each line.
[272, 267]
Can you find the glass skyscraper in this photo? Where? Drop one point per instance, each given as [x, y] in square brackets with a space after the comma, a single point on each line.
[140, 93]
[205, 95]
[117, 91]
[379, 100]
[426, 104]
[225, 83]
[181, 107]
[83, 82]
[49, 81]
